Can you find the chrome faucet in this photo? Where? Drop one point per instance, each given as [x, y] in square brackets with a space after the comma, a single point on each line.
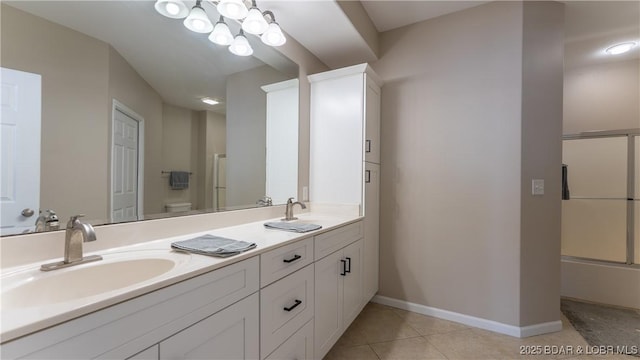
[265, 201]
[77, 233]
[288, 213]
[47, 221]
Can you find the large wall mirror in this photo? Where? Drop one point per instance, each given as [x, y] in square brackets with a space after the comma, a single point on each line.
[123, 133]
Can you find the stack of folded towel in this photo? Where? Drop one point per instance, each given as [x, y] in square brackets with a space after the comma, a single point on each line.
[294, 227]
[213, 246]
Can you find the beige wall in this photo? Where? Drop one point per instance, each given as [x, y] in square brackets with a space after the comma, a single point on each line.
[130, 89]
[180, 127]
[454, 161]
[75, 75]
[246, 129]
[80, 77]
[542, 96]
[211, 141]
[602, 97]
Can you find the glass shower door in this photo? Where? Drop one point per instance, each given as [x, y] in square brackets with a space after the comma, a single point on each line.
[594, 220]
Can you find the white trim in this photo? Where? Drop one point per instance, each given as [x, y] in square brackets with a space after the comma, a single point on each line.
[511, 330]
[117, 105]
[287, 84]
[346, 71]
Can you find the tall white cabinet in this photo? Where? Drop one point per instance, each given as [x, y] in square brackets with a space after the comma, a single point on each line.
[345, 169]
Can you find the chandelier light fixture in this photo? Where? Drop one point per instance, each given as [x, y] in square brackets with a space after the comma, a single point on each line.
[252, 20]
[221, 34]
[198, 21]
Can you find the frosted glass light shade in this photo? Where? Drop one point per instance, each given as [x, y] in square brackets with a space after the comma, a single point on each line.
[198, 21]
[240, 46]
[255, 22]
[620, 48]
[221, 34]
[232, 9]
[273, 36]
[174, 9]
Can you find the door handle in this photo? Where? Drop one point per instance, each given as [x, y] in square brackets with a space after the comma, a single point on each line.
[294, 258]
[298, 302]
[348, 270]
[27, 212]
[367, 146]
[344, 267]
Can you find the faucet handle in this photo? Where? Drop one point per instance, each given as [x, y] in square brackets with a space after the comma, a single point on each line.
[290, 201]
[73, 219]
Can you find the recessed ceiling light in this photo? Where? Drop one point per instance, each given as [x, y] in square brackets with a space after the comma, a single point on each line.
[210, 101]
[620, 48]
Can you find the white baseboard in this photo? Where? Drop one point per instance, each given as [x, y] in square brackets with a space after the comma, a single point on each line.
[511, 330]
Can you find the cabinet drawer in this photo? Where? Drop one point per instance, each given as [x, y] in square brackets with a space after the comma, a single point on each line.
[282, 261]
[298, 346]
[285, 306]
[334, 240]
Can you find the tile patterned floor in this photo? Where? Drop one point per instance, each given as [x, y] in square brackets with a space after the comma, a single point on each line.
[385, 333]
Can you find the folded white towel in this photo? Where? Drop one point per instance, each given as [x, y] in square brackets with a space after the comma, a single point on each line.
[213, 246]
[294, 227]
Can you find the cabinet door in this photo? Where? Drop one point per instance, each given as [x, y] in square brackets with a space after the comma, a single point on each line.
[328, 303]
[229, 334]
[299, 346]
[372, 122]
[371, 229]
[352, 301]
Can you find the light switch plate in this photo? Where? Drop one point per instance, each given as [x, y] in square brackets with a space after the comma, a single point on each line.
[537, 187]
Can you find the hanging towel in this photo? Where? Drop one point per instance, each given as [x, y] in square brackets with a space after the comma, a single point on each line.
[565, 182]
[213, 246]
[294, 227]
[179, 180]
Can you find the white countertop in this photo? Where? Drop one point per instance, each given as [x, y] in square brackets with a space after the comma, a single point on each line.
[22, 319]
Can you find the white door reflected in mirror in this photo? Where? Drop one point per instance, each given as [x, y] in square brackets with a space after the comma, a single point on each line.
[20, 136]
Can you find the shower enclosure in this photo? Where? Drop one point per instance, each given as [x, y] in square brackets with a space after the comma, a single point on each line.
[601, 220]
[600, 242]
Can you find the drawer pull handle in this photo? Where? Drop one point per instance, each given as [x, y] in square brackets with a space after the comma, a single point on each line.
[344, 267]
[367, 176]
[298, 302]
[294, 258]
[348, 270]
[367, 146]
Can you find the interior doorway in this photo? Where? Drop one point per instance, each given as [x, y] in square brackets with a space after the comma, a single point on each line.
[127, 164]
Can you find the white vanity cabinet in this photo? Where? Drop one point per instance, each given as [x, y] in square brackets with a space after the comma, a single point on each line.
[345, 151]
[229, 334]
[371, 229]
[287, 297]
[338, 295]
[338, 283]
[129, 328]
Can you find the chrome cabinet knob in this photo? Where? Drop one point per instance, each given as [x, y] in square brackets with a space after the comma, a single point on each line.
[27, 212]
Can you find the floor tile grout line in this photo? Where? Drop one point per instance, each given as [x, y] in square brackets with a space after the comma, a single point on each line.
[388, 341]
[434, 345]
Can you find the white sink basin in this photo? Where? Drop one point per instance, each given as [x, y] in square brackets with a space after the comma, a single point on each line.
[33, 287]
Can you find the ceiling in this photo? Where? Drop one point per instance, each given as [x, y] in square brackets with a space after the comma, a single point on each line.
[389, 15]
[198, 68]
[181, 66]
[591, 26]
